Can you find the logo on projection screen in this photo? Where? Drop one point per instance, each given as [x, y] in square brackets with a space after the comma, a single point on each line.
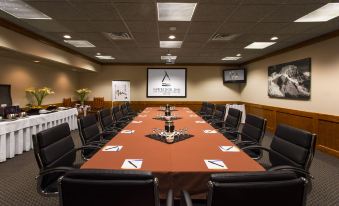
[165, 80]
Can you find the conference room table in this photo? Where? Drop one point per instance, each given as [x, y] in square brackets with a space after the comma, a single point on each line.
[180, 165]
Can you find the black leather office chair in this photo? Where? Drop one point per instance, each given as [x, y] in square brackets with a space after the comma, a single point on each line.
[88, 187]
[218, 118]
[54, 150]
[290, 147]
[209, 111]
[90, 134]
[203, 108]
[231, 124]
[252, 133]
[125, 112]
[106, 120]
[278, 188]
[130, 109]
[119, 117]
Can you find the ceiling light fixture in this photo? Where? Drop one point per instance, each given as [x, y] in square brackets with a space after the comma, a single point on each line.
[238, 55]
[171, 37]
[175, 11]
[22, 10]
[104, 57]
[98, 53]
[170, 44]
[36, 61]
[79, 43]
[259, 45]
[173, 28]
[168, 57]
[324, 13]
[274, 38]
[230, 58]
[66, 36]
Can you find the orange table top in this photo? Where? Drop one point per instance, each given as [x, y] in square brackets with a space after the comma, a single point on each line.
[186, 156]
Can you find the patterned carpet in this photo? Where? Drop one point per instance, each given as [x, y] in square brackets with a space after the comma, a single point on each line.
[18, 186]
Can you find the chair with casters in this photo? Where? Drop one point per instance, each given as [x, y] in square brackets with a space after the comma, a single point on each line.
[252, 133]
[290, 148]
[231, 124]
[106, 121]
[119, 117]
[125, 112]
[278, 188]
[130, 109]
[54, 150]
[218, 118]
[88, 187]
[209, 111]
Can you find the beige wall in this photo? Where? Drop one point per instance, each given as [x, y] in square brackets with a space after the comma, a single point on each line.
[324, 80]
[203, 83]
[22, 74]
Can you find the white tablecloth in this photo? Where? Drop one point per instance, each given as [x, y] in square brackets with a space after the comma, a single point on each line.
[240, 107]
[16, 136]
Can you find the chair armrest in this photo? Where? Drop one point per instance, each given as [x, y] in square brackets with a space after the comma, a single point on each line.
[227, 129]
[185, 199]
[297, 170]
[170, 199]
[246, 143]
[54, 170]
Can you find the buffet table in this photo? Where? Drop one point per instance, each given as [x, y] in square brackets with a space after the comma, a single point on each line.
[16, 135]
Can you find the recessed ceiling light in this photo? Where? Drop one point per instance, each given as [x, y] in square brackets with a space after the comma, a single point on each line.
[66, 36]
[230, 58]
[98, 53]
[173, 28]
[170, 44]
[168, 57]
[324, 13]
[238, 55]
[36, 61]
[171, 37]
[259, 45]
[274, 38]
[104, 57]
[175, 11]
[22, 10]
[79, 43]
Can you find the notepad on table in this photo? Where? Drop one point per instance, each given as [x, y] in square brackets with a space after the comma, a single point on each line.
[193, 115]
[200, 122]
[132, 164]
[112, 148]
[215, 164]
[127, 131]
[136, 122]
[229, 149]
[142, 115]
[208, 131]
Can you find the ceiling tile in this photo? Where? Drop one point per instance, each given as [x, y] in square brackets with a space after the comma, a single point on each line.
[267, 28]
[212, 12]
[251, 13]
[139, 37]
[98, 11]
[204, 27]
[137, 11]
[142, 26]
[235, 28]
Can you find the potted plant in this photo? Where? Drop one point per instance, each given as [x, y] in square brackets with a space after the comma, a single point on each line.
[83, 93]
[39, 94]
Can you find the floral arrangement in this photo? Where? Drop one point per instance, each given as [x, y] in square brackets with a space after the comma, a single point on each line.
[82, 93]
[39, 93]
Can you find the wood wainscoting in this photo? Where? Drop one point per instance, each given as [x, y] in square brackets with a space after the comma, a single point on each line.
[325, 126]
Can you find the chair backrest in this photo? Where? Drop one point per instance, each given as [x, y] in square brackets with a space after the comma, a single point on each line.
[253, 129]
[108, 187]
[88, 129]
[124, 109]
[295, 145]
[203, 107]
[67, 102]
[53, 147]
[5, 94]
[210, 109]
[98, 102]
[129, 108]
[219, 112]
[278, 188]
[233, 118]
[117, 113]
[105, 118]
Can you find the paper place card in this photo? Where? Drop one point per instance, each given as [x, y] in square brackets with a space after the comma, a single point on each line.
[229, 148]
[215, 165]
[136, 122]
[112, 148]
[189, 111]
[142, 115]
[126, 131]
[193, 115]
[200, 122]
[132, 164]
[208, 131]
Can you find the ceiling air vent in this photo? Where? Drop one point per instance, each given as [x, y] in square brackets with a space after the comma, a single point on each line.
[223, 37]
[119, 36]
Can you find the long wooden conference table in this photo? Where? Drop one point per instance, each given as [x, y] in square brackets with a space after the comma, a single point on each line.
[180, 165]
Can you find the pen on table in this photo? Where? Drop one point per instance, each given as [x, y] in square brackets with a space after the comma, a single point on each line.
[108, 148]
[229, 148]
[132, 164]
[215, 163]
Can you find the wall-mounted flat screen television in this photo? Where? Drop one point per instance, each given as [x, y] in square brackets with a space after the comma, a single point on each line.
[237, 75]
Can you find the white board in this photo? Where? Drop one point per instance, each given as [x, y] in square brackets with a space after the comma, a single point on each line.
[121, 91]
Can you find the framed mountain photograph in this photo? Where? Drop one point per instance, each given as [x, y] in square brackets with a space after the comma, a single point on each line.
[290, 80]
